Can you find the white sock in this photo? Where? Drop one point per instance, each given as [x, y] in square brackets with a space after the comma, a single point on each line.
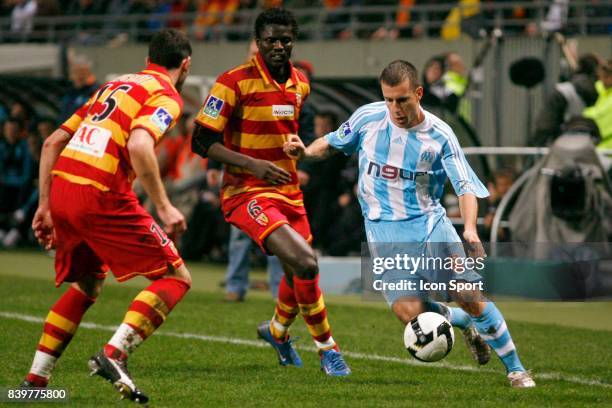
[43, 364]
[125, 339]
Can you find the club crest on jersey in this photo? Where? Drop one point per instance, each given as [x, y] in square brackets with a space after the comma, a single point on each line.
[427, 156]
[345, 130]
[212, 107]
[161, 118]
[256, 212]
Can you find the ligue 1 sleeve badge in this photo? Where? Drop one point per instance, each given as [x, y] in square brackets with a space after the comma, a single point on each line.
[212, 107]
[256, 212]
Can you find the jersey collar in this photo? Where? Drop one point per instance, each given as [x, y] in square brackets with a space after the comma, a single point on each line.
[421, 127]
[265, 73]
[159, 71]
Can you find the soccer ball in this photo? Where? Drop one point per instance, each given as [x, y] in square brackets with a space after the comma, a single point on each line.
[429, 337]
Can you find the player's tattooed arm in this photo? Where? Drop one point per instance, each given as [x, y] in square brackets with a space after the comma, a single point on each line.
[320, 149]
[208, 143]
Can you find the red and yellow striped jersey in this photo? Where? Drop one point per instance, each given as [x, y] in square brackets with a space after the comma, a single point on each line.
[256, 116]
[97, 152]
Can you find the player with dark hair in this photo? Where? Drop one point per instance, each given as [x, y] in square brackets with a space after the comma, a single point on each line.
[401, 205]
[250, 112]
[90, 215]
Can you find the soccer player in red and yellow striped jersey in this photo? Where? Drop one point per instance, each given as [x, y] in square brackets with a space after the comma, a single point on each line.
[245, 120]
[88, 212]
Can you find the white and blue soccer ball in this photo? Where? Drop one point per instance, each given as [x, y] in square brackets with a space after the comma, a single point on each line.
[429, 337]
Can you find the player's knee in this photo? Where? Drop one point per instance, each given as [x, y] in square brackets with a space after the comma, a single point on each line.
[306, 267]
[407, 309]
[473, 308]
[181, 273]
[90, 287]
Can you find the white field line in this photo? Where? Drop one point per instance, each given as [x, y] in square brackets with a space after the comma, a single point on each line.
[354, 355]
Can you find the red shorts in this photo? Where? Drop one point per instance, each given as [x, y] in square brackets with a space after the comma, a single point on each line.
[259, 216]
[97, 231]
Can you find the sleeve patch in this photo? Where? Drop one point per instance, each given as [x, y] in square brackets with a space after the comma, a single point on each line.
[345, 130]
[161, 118]
[212, 107]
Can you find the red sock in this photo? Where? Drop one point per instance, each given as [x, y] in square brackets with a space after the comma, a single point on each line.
[60, 325]
[146, 313]
[285, 311]
[312, 308]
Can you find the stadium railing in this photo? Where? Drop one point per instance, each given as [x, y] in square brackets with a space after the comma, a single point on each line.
[584, 17]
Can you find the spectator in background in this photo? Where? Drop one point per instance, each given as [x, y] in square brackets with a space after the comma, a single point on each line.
[339, 21]
[142, 7]
[325, 185]
[157, 21]
[177, 8]
[15, 180]
[405, 26]
[3, 114]
[45, 126]
[45, 8]
[347, 231]
[567, 100]
[445, 83]
[84, 84]
[210, 14]
[22, 19]
[455, 80]
[87, 30]
[434, 92]
[21, 112]
[502, 181]
[601, 111]
[195, 188]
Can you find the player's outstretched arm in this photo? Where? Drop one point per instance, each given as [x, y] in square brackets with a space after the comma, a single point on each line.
[141, 147]
[320, 149]
[207, 143]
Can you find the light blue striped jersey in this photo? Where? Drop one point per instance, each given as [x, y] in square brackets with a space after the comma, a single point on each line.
[402, 171]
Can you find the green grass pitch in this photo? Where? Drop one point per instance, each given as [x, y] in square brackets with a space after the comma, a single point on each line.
[206, 353]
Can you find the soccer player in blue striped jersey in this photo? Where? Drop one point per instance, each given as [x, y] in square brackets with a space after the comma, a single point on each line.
[405, 156]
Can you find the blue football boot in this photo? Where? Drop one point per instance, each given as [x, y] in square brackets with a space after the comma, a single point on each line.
[332, 363]
[285, 351]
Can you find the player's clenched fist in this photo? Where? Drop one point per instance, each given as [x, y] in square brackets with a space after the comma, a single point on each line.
[172, 219]
[294, 147]
[42, 224]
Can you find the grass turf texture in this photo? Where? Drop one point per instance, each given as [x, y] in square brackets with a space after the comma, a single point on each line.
[197, 371]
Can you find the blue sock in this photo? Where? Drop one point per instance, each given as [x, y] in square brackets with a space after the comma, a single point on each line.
[459, 318]
[492, 328]
[455, 315]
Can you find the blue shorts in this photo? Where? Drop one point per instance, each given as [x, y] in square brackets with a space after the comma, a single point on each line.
[433, 241]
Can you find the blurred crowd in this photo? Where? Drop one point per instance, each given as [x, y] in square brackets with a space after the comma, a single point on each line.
[580, 103]
[207, 20]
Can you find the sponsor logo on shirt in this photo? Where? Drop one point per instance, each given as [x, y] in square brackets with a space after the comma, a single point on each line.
[283, 110]
[90, 139]
[212, 107]
[389, 172]
[161, 118]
